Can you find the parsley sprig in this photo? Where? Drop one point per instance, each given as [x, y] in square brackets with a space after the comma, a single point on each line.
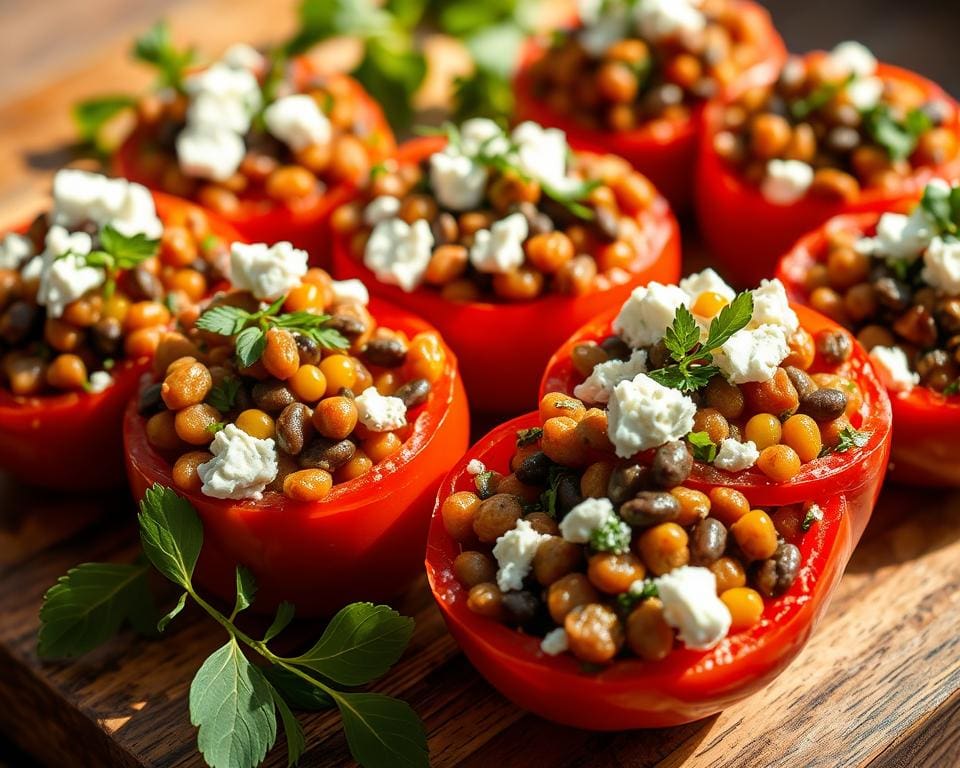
[613, 536]
[693, 361]
[156, 47]
[234, 703]
[819, 97]
[250, 328]
[897, 136]
[117, 253]
[702, 447]
[942, 207]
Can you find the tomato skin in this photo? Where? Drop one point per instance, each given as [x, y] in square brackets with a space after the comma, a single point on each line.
[926, 423]
[515, 338]
[259, 219]
[72, 441]
[665, 153]
[364, 541]
[746, 234]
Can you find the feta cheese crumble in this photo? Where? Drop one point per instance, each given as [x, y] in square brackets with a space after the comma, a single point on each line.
[480, 134]
[646, 315]
[80, 196]
[514, 553]
[596, 388]
[786, 181]
[15, 250]
[772, 307]
[752, 354]
[457, 180]
[691, 606]
[643, 414]
[380, 209]
[350, 291]
[865, 92]
[735, 456]
[893, 368]
[380, 413]
[580, 522]
[267, 271]
[500, 248]
[64, 274]
[853, 58]
[210, 152]
[241, 467]
[899, 237]
[941, 265]
[99, 381]
[476, 467]
[243, 56]
[555, 642]
[660, 19]
[542, 153]
[221, 95]
[399, 253]
[298, 122]
[702, 282]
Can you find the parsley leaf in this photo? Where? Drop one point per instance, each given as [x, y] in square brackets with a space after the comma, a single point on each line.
[223, 395]
[813, 515]
[91, 115]
[629, 600]
[952, 388]
[942, 207]
[818, 98]
[382, 731]
[683, 334]
[613, 536]
[528, 436]
[732, 318]
[225, 320]
[155, 47]
[898, 138]
[850, 438]
[118, 252]
[171, 534]
[298, 693]
[702, 447]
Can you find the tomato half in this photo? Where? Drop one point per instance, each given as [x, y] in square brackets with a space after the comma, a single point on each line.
[259, 218]
[72, 441]
[746, 234]
[364, 541]
[925, 423]
[503, 346]
[665, 152]
[687, 685]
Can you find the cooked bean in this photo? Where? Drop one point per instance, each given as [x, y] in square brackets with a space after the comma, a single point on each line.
[672, 463]
[17, 321]
[326, 454]
[294, 428]
[487, 484]
[648, 634]
[541, 522]
[534, 469]
[474, 568]
[892, 294]
[308, 349]
[626, 482]
[834, 347]
[521, 608]
[150, 401]
[594, 633]
[387, 353]
[272, 396]
[568, 493]
[650, 508]
[824, 404]
[616, 348]
[708, 542]
[495, 516]
[774, 576]
[555, 558]
[486, 599]
[567, 592]
[186, 385]
[349, 326]
[106, 336]
[801, 381]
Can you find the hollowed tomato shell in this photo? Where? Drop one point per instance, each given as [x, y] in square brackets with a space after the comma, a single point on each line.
[502, 347]
[665, 152]
[746, 234]
[364, 541]
[926, 423]
[72, 441]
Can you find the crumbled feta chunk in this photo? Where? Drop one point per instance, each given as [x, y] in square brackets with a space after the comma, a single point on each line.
[209, 152]
[707, 280]
[514, 553]
[596, 388]
[80, 196]
[350, 291]
[380, 413]
[222, 96]
[542, 153]
[32, 269]
[899, 237]
[598, 35]
[772, 307]
[267, 271]
[580, 522]
[659, 19]
[64, 274]
[941, 265]
[691, 605]
[643, 414]
[241, 467]
[458, 181]
[865, 92]
[380, 209]
[893, 368]
[476, 467]
[243, 56]
[399, 253]
[297, 121]
[500, 248]
[786, 181]
[555, 642]
[647, 314]
[735, 456]
[15, 250]
[853, 58]
[752, 354]
[99, 381]
[480, 134]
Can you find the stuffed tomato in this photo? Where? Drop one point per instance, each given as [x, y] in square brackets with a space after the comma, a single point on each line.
[505, 246]
[633, 82]
[892, 279]
[309, 428]
[837, 133]
[273, 156]
[87, 291]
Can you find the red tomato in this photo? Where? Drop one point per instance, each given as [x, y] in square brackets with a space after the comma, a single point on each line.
[364, 541]
[261, 219]
[926, 423]
[687, 685]
[664, 151]
[746, 234]
[502, 347]
[72, 441]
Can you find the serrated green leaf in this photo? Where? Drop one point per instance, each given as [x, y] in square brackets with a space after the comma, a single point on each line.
[939, 205]
[899, 139]
[296, 742]
[224, 320]
[613, 536]
[87, 606]
[732, 318]
[382, 732]
[300, 694]
[250, 343]
[282, 618]
[231, 703]
[246, 589]
[682, 335]
[127, 252]
[223, 395]
[703, 448]
[361, 642]
[171, 534]
[172, 613]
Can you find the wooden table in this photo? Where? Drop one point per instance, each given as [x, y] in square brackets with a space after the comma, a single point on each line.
[878, 685]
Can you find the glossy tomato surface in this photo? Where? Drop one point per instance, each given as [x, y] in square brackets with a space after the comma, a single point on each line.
[925, 423]
[747, 234]
[72, 441]
[503, 346]
[364, 541]
[259, 218]
[664, 151]
[687, 685]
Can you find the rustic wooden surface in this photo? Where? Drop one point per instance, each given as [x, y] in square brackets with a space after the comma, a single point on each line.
[878, 686]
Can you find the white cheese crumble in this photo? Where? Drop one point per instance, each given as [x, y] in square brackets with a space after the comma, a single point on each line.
[555, 642]
[735, 456]
[691, 605]
[772, 307]
[64, 274]
[243, 56]
[79, 196]
[865, 92]
[399, 253]
[480, 134]
[208, 152]
[380, 209]
[659, 19]
[15, 250]
[702, 282]
[752, 354]
[580, 522]
[599, 33]
[99, 381]
[643, 414]
[350, 291]
[596, 388]
[241, 467]
[786, 181]
[380, 413]
[267, 271]
[457, 180]
[500, 248]
[853, 58]
[514, 553]
[941, 265]
[893, 368]
[224, 96]
[476, 467]
[542, 153]
[646, 315]
[298, 122]
[898, 236]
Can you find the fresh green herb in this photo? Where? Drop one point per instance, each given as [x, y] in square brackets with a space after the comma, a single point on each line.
[548, 499]
[482, 93]
[818, 98]
[118, 252]
[814, 515]
[942, 207]
[898, 138]
[216, 427]
[850, 438]
[952, 388]
[613, 536]
[528, 436]
[233, 703]
[91, 115]
[155, 47]
[702, 447]
[224, 394]
[629, 600]
[694, 367]
[484, 484]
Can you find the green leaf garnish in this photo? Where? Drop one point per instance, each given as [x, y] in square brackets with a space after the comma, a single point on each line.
[283, 617]
[91, 115]
[613, 536]
[172, 613]
[898, 138]
[850, 438]
[382, 731]
[117, 252]
[952, 388]
[155, 47]
[299, 694]
[627, 601]
[702, 447]
[223, 395]
[528, 436]
[683, 334]
[814, 515]
[246, 589]
[171, 534]
[818, 98]
[942, 207]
